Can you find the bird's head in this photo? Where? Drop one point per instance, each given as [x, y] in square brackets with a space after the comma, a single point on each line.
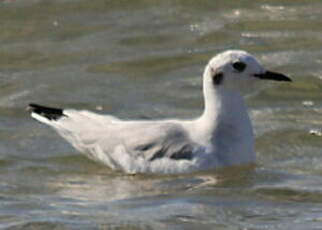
[232, 68]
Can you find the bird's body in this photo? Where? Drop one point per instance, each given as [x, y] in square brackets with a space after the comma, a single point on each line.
[221, 136]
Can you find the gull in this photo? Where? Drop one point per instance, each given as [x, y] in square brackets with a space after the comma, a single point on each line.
[222, 136]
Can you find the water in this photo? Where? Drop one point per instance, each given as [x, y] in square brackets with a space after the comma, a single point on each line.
[144, 59]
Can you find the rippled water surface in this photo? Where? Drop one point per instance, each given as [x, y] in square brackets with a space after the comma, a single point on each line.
[144, 59]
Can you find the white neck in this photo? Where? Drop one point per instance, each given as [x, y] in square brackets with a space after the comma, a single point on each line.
[224, 111]
[225, 125]
[220, 104]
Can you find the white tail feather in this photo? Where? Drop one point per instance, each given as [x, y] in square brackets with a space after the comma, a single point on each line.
[41, 118]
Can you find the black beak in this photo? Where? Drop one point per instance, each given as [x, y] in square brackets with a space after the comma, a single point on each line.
[273, 76]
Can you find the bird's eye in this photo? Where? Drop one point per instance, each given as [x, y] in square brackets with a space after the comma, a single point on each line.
[239, 66]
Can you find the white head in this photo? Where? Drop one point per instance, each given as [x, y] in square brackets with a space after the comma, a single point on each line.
[232, 68]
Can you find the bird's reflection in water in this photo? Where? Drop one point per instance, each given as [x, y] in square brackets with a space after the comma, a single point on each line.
[116, 187]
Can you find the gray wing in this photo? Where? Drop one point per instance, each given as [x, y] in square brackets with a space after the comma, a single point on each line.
[158, 140]
[150, 140]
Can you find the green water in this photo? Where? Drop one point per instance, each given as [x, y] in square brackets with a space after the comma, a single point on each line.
[144, 59]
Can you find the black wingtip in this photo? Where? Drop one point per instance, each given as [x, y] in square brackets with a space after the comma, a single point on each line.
[48, 112]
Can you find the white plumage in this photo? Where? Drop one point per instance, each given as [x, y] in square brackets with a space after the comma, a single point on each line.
[221, 136]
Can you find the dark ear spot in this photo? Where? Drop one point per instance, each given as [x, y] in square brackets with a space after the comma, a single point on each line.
[239, 66]
[218, 78]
